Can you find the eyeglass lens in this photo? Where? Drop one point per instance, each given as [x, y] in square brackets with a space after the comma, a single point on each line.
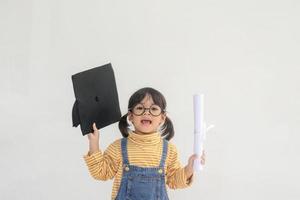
[154, 110]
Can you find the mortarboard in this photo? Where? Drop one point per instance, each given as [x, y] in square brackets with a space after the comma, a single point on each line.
[96, 98]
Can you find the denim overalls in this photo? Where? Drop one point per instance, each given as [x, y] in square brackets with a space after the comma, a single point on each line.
[142, 183]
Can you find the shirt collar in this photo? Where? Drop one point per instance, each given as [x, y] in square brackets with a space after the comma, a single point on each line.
[145, 139]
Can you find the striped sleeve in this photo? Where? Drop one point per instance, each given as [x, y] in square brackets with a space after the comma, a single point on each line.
[104, 166]
[176, 177]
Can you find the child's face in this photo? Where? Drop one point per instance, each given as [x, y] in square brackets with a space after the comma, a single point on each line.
[146, 123]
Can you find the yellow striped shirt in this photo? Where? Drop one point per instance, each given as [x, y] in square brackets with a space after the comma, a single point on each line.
[143, 151]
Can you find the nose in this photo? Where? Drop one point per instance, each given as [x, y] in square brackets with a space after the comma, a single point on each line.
[147, 110]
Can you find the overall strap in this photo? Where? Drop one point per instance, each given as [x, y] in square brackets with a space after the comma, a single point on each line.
[164, 153]
[124, 151]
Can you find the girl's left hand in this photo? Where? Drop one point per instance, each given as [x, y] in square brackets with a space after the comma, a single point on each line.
[189, 170]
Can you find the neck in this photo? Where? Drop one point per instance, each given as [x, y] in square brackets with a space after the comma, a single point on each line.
[143, 133]
[142, 138]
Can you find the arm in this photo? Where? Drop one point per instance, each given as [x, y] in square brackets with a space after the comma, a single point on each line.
[102, 166]
[177, 176]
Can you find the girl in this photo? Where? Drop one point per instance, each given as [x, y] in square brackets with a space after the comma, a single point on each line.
[143, 162]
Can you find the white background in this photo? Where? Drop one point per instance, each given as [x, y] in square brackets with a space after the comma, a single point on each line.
[243, 55]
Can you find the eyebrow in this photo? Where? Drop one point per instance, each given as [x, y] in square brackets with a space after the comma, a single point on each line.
[151, 104]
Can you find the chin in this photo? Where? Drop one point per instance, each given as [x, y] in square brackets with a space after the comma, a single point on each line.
[146, 131]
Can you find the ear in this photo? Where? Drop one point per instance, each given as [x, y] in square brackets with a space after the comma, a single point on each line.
[129, 114]
[163, 118]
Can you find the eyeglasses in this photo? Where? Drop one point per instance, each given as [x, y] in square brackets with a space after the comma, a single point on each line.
[139, 109]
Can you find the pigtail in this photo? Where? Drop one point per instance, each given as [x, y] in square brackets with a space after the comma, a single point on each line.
[167, 129]
[123, 126]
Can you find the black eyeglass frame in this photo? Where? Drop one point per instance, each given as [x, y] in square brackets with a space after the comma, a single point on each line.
[144, 110]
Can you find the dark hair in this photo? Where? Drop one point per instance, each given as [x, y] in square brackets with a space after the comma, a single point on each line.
[166, 129]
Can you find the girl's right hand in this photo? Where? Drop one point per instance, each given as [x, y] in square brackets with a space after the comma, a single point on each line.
[94, 140]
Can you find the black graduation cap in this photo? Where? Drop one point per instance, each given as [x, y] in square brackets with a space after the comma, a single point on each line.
[96, 98]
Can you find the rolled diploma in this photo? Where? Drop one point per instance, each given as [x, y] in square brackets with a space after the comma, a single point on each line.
[199, 129]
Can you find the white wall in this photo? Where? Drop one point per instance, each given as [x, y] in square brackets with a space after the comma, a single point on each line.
[244, 55]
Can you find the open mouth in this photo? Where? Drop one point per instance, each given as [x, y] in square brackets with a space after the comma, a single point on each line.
[146, 122]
